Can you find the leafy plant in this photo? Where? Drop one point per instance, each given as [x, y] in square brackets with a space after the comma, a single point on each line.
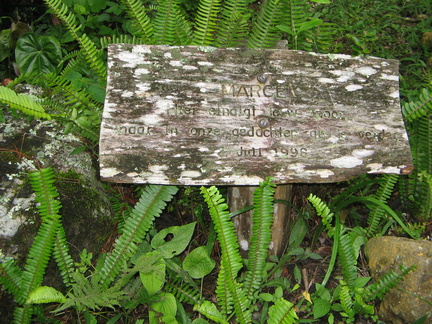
[38, 54]
[233, 296]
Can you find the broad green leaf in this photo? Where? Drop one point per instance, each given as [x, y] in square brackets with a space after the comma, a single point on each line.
[298, 233]
[286, 29]
[209, 310]
[198, 263]
[152, 273]
[41, 54]
[167, 306]
[321, 307]
[321, 1]
[169, 247]
[45, 294]
[310, 24]
[199, 321]
[266, 297]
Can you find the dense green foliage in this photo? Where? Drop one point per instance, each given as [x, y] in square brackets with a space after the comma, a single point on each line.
[67, 60]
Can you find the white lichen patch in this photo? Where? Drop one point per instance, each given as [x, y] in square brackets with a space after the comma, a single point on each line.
[366, 71]
[108, 172]
[158, 168]
[343, 76]
[385, 76]
[176, 63]
[131, 60]
[127, 94]
[189, 67]
[190, 174]
[141, 71]
[298, 167]
[353, 87]
[346, 162]
[394, 94]
[362, 153]
[378, 168]
[326, 80]
[324, 173]
[205, 63]
[381, 127]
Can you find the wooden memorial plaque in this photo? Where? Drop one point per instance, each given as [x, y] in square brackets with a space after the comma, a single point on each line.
[200, 115]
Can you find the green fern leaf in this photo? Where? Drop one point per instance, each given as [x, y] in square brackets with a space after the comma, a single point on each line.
[92, 55]
[205, 22]
[261, 236]
[234, 24]
[346, 299]
[231, 260]
[388, 281]
[142, 23]
[152, 202]
[323, 211]
[42, 183]
[62, 257]
[10, 277]
[383, 194]
[165, 22]
[264, 33]
[22, 102]
[421, 107]
[348, 260]
[282, 313]
[44, 295]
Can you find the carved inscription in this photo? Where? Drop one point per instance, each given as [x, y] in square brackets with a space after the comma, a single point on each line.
[191, 115]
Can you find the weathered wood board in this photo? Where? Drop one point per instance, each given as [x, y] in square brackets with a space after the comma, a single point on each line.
[200, 115]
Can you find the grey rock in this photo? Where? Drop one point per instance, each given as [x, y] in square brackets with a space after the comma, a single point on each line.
[86, 210]
[408, 303]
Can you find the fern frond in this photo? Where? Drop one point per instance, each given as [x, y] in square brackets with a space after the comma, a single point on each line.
[421, 107]
[23, 315]
[231, 260]
[224, 297]
[426, 201]
[323, 211]
[388, 281]
[262, 221]
[42, 183]
[346, 298]
[10, 277]
[297, 14]
[165, 22]
[86, 296]
[383, 194]
[264, 31]
[183, 292]
[126, 39]
[205, 22]
[282, 312]
[140, 20]
[92, 55]
[150, 205]
[183, 31]
[72, 96]
[62, 257]
[424, 142]
[233, 26]
[22, 102]
[348, 260]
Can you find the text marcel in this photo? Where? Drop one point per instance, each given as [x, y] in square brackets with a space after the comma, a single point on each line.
[255, 90]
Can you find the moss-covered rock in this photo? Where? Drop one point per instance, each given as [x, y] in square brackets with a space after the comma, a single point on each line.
[86, 210]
